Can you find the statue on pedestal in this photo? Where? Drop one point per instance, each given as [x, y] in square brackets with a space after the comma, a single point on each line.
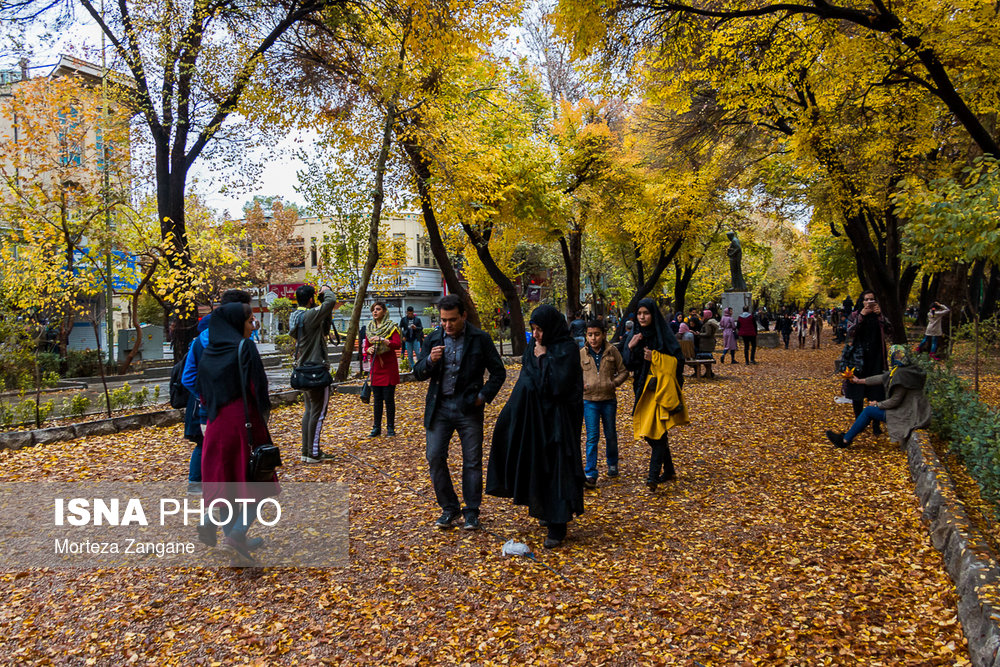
[735, 252]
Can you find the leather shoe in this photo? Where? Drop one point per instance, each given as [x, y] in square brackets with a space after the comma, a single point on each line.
[651, 484]
[837, 439]
[375, 433]
[590, 482]
[551, 543]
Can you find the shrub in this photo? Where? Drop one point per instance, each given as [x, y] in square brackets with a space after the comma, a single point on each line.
[48, 363]
[121, 398]
[970, 427]
[284, 343]
[76, 405]
[140, 397]
[83, 363]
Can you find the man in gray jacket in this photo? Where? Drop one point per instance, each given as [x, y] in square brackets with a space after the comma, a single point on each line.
[310, 325]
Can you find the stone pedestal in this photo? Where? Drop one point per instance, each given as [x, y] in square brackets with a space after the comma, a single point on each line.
[770, 339]
[738, 301]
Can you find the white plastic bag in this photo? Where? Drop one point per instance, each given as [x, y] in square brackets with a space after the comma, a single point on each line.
[512, 548]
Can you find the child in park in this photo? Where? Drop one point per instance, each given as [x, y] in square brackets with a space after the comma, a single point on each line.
[603, 372]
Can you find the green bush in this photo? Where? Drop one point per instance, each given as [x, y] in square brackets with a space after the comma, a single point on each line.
[83, 363]
[284, 344]
[970, 427]
[76, 405]
[48, 363]
[140, 397]
[121, 398]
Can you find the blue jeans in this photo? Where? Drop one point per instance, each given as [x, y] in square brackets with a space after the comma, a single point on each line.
[412, 348]
[933, 341]
[194, 467]
[867, 416]
[595, 412]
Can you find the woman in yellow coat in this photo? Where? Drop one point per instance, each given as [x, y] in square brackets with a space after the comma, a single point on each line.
[654, 356]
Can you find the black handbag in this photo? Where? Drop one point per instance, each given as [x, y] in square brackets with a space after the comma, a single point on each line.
[366, 392]
[310, 376]
[265, 458]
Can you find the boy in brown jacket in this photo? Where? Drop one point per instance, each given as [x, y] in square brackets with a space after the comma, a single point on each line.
[603, 371]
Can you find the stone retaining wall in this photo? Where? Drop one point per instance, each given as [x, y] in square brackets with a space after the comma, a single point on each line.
[44, 436]
[969, 562]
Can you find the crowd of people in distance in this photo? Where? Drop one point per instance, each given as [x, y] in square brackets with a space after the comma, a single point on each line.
[569, 375]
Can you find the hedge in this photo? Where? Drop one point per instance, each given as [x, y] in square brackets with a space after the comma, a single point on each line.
[970, 427]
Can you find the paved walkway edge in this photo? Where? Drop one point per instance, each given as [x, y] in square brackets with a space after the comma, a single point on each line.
[967, 558]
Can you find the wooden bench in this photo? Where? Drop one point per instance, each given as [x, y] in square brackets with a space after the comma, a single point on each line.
[687, 347]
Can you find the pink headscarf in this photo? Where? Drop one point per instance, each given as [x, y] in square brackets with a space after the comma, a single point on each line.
[706, 314]
[728, 311]
[683, 328]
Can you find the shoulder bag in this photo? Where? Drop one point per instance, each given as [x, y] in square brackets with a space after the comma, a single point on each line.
[265, 458]
[310, 376]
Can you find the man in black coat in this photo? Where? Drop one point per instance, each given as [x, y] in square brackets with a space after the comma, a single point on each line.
[455, 357]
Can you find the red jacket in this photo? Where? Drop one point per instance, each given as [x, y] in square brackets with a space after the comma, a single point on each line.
[745, 326]
[385, 367]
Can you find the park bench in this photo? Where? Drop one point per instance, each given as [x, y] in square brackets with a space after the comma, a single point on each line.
[687, 347]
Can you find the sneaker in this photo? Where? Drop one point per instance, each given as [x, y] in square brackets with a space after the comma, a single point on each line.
[590, 482]
[447, 517]
[194, 488]
[239, 555]
[651, 483]
[612, 471]
[471, 522]
[208, 534]
[375, 433]
[254, 543]
[319, 458]
[664, 478]
[837, 439]
[390, 433]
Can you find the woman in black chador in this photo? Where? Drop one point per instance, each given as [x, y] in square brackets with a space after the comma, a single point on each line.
[536, 458]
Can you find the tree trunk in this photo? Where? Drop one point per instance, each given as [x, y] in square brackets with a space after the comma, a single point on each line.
[506, 285]
[422, 173]
[928, 293]
[992, 295]
[344, 369]
[572, 251]
[683, 279]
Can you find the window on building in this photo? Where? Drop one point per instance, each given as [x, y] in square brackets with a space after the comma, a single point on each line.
[301, 245]
[424, 255]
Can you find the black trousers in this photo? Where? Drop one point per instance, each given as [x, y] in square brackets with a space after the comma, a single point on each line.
[749, 348]
[449, 418]
[660, 459]
[387, 396]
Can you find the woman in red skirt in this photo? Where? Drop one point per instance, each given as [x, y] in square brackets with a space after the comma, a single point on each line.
[226, 451]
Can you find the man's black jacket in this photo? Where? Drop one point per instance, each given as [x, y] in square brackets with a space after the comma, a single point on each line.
[479, 355]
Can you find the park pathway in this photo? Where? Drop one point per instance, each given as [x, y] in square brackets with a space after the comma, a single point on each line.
[771, 547]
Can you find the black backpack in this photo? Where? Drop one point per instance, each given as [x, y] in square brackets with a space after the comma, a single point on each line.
[179, 394]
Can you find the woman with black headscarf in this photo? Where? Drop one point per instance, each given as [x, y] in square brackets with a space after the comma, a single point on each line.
[536, 458]
[226, 451]
[869, 332]
[654, 356]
